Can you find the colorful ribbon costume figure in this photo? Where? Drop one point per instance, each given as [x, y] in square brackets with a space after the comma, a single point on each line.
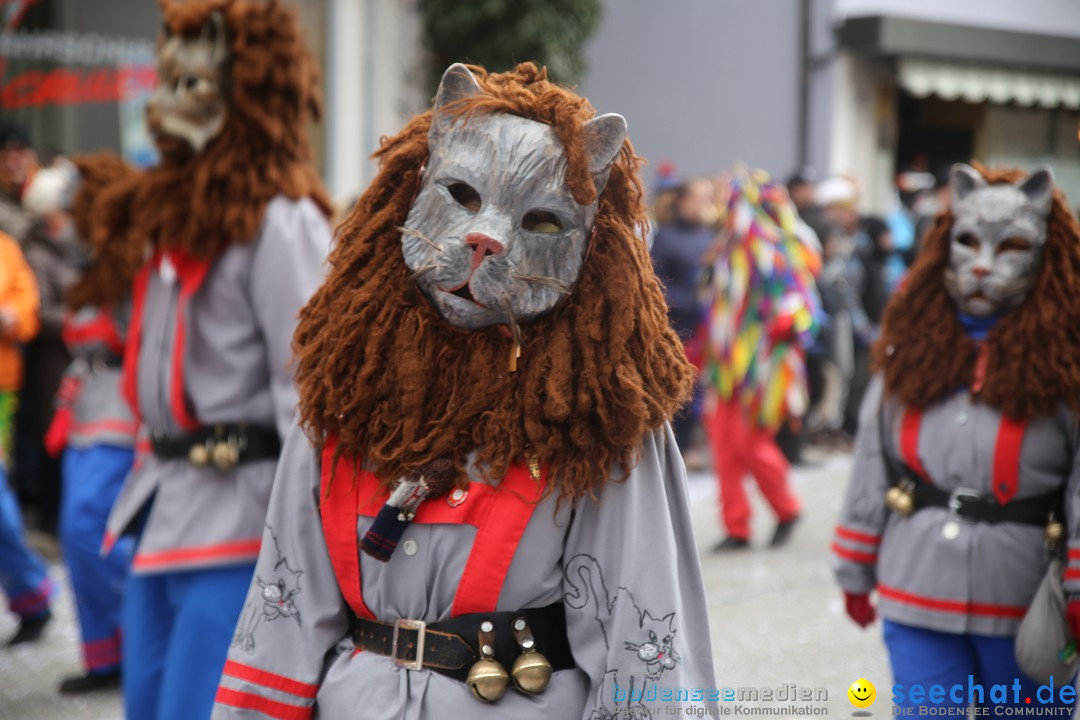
[235, 220]
[965, 481]
[487, 515]
[760, 291]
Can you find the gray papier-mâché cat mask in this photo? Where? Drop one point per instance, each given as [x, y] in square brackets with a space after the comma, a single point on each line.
[191, 99]
[997, 239]
[494, 236]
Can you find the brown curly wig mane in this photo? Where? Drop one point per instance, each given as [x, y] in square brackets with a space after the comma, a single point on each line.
[401, 388]
[1033, 352]
[115, 258]
[203, 202]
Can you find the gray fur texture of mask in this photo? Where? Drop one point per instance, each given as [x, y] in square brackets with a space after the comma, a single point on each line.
[494, 236]
[997, 239]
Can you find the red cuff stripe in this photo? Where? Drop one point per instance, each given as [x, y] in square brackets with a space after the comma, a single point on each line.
[864, 538]
[32, 601]
[233, 550]
[1074, 554]
[953, 606]
[270, 680]
[107, 425]
[1072, 574]
[859, 557]
[268, 707]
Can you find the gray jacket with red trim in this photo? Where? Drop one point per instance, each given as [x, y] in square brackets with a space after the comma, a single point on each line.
[625, 567]
[90, 391]
[212, 344]
[931, 569]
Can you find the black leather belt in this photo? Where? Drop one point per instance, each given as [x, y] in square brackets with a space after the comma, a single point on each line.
[450, 647]
[223, 446]
[974, 506]
[966, 503]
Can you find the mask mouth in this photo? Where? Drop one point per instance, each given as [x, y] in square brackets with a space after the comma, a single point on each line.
[465, 293]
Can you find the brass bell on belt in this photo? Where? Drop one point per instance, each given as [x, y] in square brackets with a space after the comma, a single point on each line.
[1054, 532]
[199, 456]
[532, 671]
[226, 454]
[487, 677]
[901, 498]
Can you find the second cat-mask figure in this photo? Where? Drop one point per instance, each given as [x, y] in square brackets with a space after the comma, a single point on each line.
[233, 221]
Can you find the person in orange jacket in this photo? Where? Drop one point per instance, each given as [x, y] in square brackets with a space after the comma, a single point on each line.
[22, 573]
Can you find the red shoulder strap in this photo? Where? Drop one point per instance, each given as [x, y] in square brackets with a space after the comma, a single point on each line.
[506, 511]
[339, 494]
[910, 428]
[497, 539]
[191, 273]
[131, 350]
[1010, 441]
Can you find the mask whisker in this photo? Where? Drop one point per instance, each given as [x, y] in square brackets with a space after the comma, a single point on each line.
[411, 232]
[423, 271]
[515, 332]
[548, 282]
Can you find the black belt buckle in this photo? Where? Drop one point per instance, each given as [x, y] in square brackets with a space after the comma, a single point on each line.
[960, 499]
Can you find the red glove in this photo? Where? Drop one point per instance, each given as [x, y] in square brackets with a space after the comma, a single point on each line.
[1072, 618]
[862, 612]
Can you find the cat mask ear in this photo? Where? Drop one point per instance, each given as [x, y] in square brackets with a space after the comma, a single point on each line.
[604, 136]
[962, 180]
[456, 85]
[1039, 189]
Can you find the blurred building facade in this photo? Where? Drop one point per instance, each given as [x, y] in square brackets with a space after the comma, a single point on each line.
[864, 88]
[920, 84]
[859, 87]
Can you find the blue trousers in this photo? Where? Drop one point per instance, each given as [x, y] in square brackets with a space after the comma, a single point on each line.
[22, 573]
[177, 631]
[929, 658]
[92, 479]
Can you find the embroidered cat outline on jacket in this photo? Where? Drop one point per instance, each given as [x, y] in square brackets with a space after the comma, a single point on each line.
[279, 600]
[655, 646]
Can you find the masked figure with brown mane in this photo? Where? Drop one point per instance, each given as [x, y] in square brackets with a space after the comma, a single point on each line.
[234, 225]
[92, 425]
[964, 492]
[483, 512]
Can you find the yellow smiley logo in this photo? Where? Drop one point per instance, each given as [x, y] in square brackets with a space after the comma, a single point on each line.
[862, 693]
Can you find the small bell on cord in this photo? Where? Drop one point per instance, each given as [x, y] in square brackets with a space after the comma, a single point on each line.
[901, 498]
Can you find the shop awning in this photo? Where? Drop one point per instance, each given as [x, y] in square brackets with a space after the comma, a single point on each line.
[978, 83]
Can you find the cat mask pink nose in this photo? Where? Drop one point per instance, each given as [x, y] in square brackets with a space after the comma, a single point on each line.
[494, 235]
[482, 246]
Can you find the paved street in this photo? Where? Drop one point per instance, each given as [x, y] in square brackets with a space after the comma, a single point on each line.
[777, 617]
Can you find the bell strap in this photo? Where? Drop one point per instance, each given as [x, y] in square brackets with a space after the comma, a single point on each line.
[253, 442]
[449, 647]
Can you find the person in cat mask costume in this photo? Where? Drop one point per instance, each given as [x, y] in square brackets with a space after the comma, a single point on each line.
[487, 515]
[965, 465]
[92, 426]
[235, 219]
